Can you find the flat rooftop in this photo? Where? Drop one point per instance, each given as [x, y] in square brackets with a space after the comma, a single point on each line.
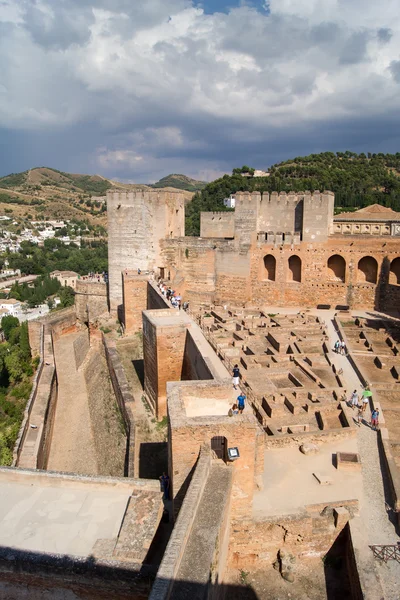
[55, 513]
[289, 483]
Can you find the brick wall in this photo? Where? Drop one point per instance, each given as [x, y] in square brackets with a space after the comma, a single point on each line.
[134, 300]
[223, 273]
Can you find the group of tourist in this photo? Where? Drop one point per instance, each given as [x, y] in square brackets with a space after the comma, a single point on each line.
[238, 407]
[340, 347]
[361, 405]
[172, 296]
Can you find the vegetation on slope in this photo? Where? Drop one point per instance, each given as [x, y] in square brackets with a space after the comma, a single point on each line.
[16, 371]
[180, 182]
[357, 180]
[91, 184]
[54, 255]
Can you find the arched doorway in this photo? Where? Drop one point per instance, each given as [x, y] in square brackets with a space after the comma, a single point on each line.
[336, 268]
[219, 447]
[394, 275]
[294, 272]
[367, 270]
[269, 267]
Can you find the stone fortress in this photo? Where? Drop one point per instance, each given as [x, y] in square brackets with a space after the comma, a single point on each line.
[291, 497]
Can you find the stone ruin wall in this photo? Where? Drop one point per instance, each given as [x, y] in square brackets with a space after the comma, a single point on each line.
[215, 271]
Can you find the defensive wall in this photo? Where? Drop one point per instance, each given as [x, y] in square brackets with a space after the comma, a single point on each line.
[360, 273]
[194, 564]
[137, 222]
[90, 300]
[93, 546]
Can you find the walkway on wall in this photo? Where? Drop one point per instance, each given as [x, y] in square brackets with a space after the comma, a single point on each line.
[374, 525]
[72, 447]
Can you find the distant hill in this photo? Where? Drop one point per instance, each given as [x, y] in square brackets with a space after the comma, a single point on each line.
[180, 182]
[51, 194]
[357, 180]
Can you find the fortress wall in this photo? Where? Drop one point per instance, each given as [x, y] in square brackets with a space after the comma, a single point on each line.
[318, 216]
[175, 550]
[134, 299]
[164, 335]
[217, 224]
[59, 322]
[280, 212]
[105, 417]
[137, 223]
[240, 275]
[246, 217]
[154, 298]
[194, 363]
[33, 444]
[90, 300]
[192, 265]
[129, 233]
[81, 347]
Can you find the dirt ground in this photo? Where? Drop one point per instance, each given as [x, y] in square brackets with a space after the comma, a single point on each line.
[314, 580]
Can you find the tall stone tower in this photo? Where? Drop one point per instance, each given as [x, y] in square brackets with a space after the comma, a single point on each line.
[137, 222]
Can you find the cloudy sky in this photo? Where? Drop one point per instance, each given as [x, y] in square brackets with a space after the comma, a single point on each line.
[137, 89]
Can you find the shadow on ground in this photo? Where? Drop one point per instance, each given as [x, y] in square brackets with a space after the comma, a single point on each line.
[153, 459]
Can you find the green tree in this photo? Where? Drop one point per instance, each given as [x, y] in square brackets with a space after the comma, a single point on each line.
[8, 323]
[67, 297]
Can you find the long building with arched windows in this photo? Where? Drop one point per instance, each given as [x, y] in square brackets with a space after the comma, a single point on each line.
[274, 249]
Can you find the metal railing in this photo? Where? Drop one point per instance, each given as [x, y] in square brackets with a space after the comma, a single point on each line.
[387, 552]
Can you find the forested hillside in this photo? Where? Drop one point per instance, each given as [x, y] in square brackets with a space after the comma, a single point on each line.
[357, 180]
[180, 182]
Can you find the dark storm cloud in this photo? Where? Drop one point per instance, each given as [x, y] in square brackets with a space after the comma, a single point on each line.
[137, 89]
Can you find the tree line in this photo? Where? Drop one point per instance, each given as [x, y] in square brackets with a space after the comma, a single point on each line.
[16, 371]
[357, 180]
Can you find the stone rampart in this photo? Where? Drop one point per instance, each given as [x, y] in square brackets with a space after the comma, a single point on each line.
[105, 417]
[90, 300]
[154, 299]
[217, 224]
[125, 401]
[33, 443]
[81, 347]
[193, 563]
[173, 555]
[304, 275]
[137, 222]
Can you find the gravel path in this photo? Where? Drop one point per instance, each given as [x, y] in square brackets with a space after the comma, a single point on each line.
[374, 516]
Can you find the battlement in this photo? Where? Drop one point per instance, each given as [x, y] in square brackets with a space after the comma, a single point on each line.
[143, 196]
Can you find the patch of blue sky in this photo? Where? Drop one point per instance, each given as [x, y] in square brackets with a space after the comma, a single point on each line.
[224, 6]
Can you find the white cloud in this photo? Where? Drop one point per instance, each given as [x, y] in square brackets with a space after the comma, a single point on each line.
[162, 76]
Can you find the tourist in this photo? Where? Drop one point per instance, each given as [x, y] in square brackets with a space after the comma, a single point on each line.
[165, 485]
[185, 306]
[241, 401]
[343, 348]
[375, 419]
[139, 271]
[336, 346]
[236, 375]
[365, 402]
[354, 399]
[359, 414]
[235, 409]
